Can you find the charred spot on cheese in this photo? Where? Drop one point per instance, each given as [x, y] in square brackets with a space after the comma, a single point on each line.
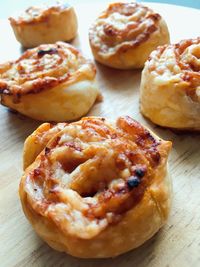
[47, 150]
[140, 172]
[4, 91]
[109, 30]
[49, 51]
[133, 182]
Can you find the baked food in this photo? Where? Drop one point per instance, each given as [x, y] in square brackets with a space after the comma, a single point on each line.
[45, 24]
[52, 82]
[124, 34]
[170, 86]
[37, 141]
[97, 189]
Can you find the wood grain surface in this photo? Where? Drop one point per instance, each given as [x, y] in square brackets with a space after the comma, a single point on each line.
[178, 243]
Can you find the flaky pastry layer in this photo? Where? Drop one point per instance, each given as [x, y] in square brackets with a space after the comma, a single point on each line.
[93, 188]
[125, 33]
[45, 24]
[50, 82]
[170, 86]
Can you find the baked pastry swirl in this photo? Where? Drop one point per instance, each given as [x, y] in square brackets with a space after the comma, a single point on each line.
[125, 33]
[170, 86]
[97, 189]
[52, 82]
[45, 24]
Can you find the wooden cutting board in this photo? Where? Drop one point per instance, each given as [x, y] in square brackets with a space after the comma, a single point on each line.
[178, 243]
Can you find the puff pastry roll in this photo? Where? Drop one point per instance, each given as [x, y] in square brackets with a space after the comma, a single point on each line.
[170, 86]
[52, 82]
[96, 188]
[45, 24]
[125, 33]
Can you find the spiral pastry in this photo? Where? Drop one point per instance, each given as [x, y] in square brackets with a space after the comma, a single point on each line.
[125, 33]
[45, 24]
[52, 82]
[170, 86]
[96, 189]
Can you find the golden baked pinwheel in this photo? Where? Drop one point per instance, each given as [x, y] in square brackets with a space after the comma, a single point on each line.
[125, 33]
[170, 86]
[45, 24]
[97, 189]
[52, 82]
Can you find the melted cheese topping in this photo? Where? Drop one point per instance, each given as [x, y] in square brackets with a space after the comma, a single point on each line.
[43, 68]
[178, 64]
[91, 173]
[36, 14]
[122, 25]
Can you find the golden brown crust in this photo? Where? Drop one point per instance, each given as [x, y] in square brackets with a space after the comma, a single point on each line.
[125, 30]
[170, 86]
[37, 141]
[35, 14]
[45, 24]
[45, 75]
[93, 182]
[42, 68]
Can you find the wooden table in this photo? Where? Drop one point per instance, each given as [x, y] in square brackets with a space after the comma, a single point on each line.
[178, 243]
